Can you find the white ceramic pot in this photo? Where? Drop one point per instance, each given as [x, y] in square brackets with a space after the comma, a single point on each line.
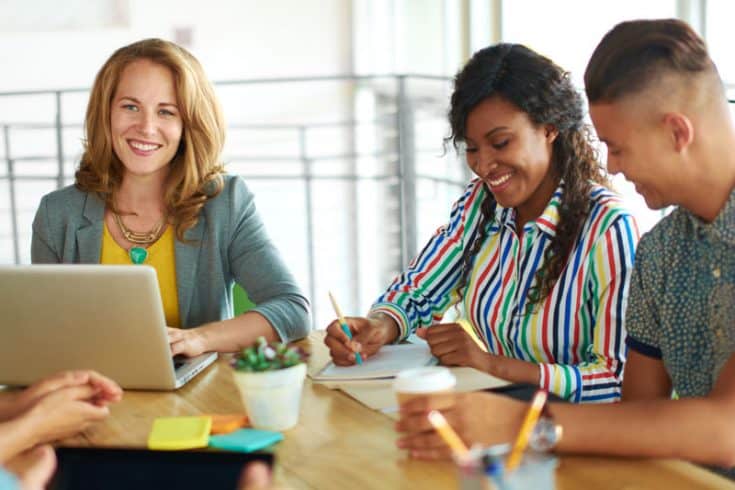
[272, 398]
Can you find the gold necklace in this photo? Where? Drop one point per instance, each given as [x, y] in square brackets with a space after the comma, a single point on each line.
[140, 237]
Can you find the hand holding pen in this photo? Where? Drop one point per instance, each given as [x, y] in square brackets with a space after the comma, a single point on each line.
[368, 336]
[343, 325]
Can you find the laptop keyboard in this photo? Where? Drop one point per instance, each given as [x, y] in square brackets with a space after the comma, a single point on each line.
[178, 361]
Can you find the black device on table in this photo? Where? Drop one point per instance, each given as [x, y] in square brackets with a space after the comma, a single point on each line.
[90, 468]
[522, 391]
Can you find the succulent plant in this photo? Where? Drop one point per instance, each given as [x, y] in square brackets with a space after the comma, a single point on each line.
[268, 357]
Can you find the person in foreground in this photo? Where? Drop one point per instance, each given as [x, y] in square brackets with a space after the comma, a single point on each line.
[537, 251]
[56, 407]
[151, 189]
[659, 105]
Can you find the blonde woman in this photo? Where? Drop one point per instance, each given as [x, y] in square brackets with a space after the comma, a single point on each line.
[151, 189]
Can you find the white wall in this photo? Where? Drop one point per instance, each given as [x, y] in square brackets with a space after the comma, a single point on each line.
[232, 38]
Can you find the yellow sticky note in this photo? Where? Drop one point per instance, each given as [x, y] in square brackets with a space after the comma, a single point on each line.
[172, 433]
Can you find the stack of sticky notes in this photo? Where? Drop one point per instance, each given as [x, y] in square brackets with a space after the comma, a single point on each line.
[172, 433]
[226, 423]
[175, 433]
[245, 440]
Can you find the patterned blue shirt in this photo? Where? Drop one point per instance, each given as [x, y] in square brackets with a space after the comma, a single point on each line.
[681, 306]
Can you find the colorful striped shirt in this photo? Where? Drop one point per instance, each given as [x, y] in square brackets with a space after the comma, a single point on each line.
[576, 334]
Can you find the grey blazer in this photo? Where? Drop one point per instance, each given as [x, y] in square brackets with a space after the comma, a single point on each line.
[230, 245]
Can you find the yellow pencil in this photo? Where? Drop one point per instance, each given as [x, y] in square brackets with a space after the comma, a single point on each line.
[343, 324]
[447, 433]
[534, 411]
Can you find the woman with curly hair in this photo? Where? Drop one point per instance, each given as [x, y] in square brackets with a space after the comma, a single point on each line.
[537, 251]
[151, 189]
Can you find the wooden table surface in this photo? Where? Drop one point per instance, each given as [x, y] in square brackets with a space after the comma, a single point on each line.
[340, 443]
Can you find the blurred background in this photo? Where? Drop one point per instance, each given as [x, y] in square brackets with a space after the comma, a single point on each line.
[336, 109]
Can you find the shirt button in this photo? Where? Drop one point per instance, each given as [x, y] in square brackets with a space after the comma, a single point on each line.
[716, 272]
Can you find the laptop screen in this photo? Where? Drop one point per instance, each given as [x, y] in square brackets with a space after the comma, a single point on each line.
[141, 469]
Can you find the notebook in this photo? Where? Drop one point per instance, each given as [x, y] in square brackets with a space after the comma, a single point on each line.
[386, 363]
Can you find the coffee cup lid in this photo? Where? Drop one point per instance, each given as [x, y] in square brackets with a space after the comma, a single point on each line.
[424, 380]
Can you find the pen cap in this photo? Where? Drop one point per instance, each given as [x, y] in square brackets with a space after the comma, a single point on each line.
[424, 380]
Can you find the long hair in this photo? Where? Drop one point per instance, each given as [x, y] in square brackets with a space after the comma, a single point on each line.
[196, 169]
[635, 53]
[541, 89]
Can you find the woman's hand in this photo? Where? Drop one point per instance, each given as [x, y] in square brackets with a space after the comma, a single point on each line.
[107, 391]
[478, 418]
[65, 412]
[189, 342]
[368, 336]
[453, 346]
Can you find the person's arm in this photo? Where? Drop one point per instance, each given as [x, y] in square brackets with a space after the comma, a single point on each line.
[230, 335]
[258, 267]
[17, 436]
[42, 251]
[645, 378]
[58, 414]
[597, 377]
[696, 429]
[453, 346]
[421, 294]
[281, 311]
[16, 402]
[32, 468]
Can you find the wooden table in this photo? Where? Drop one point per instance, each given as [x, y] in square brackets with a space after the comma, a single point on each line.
[340, 443]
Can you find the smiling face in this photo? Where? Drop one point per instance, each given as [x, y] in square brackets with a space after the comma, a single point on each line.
[512, 155]
[637, 147]
[145, 121]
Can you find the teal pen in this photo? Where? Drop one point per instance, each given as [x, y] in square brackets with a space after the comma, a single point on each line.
[343, 324]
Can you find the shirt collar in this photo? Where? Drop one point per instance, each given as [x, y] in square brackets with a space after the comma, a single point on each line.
[546, 222]
[723, 225]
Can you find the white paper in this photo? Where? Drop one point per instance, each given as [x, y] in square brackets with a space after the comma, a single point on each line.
[386, 363]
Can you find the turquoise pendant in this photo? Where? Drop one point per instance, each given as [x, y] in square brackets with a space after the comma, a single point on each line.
[138, 255]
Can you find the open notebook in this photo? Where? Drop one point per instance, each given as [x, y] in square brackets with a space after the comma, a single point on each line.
[389, 361]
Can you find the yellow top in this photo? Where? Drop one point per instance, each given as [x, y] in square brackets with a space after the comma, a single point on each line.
[161, 257]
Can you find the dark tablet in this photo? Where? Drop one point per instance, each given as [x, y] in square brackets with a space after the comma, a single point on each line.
[522, 391]
[112, 469]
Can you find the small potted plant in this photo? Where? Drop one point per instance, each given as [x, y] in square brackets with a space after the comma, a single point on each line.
[270, 378]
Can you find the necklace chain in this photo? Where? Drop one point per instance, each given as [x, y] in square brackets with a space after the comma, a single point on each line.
[140, 237]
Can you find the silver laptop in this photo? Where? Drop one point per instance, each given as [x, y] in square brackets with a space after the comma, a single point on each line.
[103, 317]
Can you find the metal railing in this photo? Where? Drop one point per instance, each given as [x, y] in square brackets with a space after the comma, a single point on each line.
[396, 157]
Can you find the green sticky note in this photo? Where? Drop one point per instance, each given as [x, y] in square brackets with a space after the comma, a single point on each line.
[172, 433]
[245, 440]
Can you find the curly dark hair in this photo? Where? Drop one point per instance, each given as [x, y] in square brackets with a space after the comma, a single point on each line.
[541, 89]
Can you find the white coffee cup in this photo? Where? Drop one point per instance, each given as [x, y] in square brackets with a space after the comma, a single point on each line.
[429, 380]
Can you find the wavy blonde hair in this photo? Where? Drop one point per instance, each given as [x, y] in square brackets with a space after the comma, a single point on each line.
[196, 169]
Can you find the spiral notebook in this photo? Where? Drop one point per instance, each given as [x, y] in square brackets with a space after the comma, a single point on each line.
[386, 363]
